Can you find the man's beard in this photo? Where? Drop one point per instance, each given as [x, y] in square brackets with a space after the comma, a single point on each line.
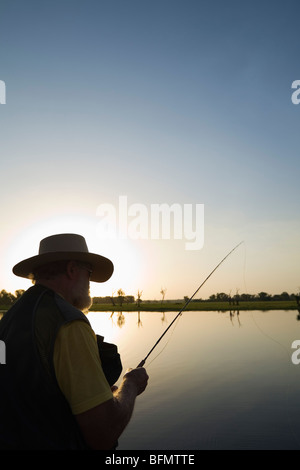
[81, 298]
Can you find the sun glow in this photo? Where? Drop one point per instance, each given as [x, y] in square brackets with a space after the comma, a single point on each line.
[24, 243]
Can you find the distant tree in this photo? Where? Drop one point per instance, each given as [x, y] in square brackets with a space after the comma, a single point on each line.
[139, 298]
[284, 296]
[112, 298]
[237, 297]
[221, 297]
[163, 293]
[6, 298]
[19, 293]
[121, 295]
[263, 296]
[246, 296]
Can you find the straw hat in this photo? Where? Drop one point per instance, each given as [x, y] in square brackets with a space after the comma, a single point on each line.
[65, 246]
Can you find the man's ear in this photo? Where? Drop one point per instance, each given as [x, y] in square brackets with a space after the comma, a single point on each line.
[72, 270]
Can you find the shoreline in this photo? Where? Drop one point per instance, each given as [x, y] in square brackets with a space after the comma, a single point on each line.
[201, 305]
[197, 306]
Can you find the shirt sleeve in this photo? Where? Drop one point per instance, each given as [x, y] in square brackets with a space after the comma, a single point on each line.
[78, 367]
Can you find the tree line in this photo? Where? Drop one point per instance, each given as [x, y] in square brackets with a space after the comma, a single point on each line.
[7, 299]
[118, 298]
[261, 296]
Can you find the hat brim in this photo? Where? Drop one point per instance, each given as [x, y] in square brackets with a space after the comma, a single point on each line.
[102, 268]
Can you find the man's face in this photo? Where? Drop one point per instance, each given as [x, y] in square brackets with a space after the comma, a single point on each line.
[81, 289]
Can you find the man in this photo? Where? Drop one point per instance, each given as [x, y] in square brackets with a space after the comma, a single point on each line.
[53, 390]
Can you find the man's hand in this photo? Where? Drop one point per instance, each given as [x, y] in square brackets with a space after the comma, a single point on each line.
[139, 377]
[102, 426]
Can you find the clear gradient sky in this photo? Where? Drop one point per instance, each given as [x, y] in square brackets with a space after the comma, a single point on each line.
[169, 101]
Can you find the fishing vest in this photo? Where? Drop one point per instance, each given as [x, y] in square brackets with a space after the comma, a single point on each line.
[34, 413]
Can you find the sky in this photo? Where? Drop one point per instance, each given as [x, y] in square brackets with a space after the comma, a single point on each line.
[150, 103]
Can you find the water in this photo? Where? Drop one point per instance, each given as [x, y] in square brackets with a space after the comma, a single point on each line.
[216, 380]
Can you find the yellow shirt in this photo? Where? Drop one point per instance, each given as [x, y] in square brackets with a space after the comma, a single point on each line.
[78, 367]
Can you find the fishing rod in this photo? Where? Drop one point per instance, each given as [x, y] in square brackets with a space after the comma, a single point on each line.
[186, 304]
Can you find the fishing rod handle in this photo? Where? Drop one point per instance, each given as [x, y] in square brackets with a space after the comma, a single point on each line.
[141, 363]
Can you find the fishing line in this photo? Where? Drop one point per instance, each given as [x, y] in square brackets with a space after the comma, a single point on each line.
[287, 381]
[251, 311]
[244, 270]
[155, 357]
[186, 304]
[288, 384]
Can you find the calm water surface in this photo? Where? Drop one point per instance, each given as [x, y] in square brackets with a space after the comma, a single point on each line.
[216, 380]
